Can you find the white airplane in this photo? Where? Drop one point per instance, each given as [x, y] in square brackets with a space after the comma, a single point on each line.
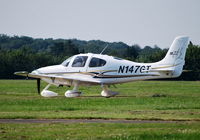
[104, 70]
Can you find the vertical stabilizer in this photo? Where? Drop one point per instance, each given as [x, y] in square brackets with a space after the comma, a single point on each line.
[175, 56]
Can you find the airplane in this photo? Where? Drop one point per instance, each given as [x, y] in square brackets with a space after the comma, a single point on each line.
[99, 69]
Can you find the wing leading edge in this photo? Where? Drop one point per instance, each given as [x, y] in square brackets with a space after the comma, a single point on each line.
[81, 77]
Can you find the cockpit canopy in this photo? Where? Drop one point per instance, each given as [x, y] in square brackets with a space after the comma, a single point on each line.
[80, 61]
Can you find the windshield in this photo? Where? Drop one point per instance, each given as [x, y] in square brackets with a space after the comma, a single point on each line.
[66, 62]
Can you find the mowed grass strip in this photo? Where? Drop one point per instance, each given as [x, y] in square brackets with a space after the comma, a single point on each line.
[103, 131]
[151, 100]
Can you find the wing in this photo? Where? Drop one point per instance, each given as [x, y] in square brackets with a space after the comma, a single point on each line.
[83, 78]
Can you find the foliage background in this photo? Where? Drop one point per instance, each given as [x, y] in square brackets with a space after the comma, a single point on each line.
[19, 53]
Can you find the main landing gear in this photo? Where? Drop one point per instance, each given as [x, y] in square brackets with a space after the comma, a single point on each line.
[74, 92]
[69, 93]
[106, 93]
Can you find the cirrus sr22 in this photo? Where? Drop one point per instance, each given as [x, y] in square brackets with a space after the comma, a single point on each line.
[104, 70]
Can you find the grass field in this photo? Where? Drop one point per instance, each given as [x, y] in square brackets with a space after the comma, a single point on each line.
[105, 131]
[162, 100]
[144, 100]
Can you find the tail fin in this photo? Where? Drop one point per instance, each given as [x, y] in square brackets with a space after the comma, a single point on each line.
[175, 57]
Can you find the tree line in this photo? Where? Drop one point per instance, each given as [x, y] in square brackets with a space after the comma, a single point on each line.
[19, 53]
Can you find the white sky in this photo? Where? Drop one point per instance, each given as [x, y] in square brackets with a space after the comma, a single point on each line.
[143, 22]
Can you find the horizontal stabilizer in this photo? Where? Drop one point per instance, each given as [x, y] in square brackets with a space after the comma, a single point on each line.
[162, 70]
[167, 68]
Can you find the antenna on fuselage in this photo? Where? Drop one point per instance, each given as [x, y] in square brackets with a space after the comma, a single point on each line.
[104, 49]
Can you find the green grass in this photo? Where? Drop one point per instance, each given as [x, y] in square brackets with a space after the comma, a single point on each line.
[174, 100]
[148, 100]
[103, 131]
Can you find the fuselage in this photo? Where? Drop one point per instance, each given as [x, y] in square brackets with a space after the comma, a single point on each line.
[103, 68]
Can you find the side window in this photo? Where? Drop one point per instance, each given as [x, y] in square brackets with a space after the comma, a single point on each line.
[79, 61]
[96, 62]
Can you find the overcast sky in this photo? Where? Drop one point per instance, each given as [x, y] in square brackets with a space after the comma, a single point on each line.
[143, 22]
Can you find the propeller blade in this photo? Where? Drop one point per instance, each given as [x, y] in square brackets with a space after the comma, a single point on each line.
[38, 85]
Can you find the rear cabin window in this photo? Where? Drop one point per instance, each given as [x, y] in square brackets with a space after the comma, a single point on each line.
[79, 61]
[97, 62]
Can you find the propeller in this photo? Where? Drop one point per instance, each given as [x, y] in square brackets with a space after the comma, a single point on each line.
[38, 85]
